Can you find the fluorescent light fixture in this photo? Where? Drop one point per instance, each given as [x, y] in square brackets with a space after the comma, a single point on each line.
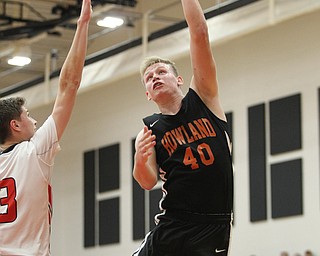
[110, 22]
[19, 61]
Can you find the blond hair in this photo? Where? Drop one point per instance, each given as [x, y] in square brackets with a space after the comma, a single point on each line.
[147, 62]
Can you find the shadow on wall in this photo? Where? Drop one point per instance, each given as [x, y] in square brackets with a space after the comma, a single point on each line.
[306, 253]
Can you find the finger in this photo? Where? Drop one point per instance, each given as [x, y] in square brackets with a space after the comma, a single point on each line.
[146, 130]
[147, 151]
[145, 147]
[146, 133]
[149, 145]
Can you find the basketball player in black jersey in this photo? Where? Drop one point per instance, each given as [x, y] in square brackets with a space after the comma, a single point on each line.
[187, 144]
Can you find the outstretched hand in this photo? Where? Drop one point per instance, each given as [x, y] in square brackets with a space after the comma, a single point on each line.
[86, 11]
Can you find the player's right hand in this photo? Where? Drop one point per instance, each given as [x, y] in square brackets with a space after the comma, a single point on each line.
[145, 145]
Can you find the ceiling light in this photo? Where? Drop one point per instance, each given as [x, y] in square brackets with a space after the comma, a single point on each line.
[19, 61]
[110, 22]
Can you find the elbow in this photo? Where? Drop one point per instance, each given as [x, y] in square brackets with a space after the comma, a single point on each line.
[73, 80]
[70, 78]
[70, 85]
[147, 186]
[201, 32]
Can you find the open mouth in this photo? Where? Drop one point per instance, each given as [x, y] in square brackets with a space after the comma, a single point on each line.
[156, 85]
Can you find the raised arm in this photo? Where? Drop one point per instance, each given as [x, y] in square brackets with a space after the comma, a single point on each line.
[71, 72]
[204, 80]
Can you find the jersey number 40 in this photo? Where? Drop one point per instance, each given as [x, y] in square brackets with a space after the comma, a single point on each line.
[205, 153]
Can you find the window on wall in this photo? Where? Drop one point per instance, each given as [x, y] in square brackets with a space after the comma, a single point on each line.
[257, 163]
[285, 175]
[146, 206]
[101, 211]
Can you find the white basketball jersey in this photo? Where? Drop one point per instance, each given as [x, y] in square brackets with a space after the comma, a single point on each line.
[25, 194]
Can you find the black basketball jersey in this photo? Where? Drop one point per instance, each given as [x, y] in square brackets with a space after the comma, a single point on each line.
[194, 159]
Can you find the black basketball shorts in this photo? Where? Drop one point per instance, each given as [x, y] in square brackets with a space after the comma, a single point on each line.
[176, 237]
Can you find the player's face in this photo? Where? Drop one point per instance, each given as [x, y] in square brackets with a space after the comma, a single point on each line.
[27, 124]
[159, 78]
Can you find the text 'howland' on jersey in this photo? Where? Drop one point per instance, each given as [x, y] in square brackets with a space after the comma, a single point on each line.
[193, 131]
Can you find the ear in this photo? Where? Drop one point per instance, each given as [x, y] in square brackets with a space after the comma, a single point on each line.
[148, 96]
[180, 81]
[14, 124]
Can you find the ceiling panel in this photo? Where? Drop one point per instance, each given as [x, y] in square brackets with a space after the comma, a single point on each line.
[50, 26]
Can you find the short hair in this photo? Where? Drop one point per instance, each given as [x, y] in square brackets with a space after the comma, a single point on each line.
[147, 62]
[10, 109]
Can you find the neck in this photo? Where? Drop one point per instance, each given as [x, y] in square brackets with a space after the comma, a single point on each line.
[171, 106]
[170, 109]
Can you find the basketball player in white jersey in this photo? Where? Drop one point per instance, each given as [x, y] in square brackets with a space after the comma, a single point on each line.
[27, 156]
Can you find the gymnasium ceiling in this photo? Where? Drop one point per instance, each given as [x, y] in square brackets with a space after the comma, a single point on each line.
[45, 28]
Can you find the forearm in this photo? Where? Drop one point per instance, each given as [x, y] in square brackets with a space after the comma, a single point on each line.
[194, 16]
[71, 72]
[145, 175]
[200, 50]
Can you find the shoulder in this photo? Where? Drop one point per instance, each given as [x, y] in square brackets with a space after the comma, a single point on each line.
[212, 103]
[151, 119]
